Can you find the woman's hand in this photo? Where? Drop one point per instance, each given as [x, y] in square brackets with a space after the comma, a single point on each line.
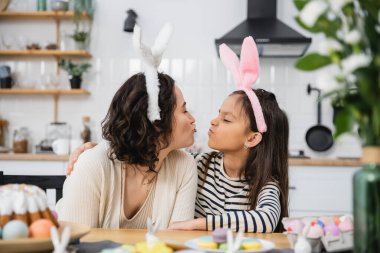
[76, 153]
[197, 224]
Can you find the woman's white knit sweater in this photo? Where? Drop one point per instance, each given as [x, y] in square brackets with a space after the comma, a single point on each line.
[92, 194]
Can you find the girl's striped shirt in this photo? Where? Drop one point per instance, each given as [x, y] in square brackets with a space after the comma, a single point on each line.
[224, 200]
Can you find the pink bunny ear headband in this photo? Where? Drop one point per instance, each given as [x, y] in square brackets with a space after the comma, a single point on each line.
[245, 74]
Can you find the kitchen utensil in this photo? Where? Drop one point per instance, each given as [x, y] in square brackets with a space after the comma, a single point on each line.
[6, 82]
[5, 71]
[318, 137]
[61, 146]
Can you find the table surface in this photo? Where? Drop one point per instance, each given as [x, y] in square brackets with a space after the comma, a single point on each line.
[174, 238]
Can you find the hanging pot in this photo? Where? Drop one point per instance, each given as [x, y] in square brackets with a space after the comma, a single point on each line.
[318, 137]
[75, 82]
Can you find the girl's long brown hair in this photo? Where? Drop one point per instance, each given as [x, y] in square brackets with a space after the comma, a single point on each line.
[268, 161]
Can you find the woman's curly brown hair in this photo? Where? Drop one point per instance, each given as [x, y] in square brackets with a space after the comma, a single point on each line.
[133, 138]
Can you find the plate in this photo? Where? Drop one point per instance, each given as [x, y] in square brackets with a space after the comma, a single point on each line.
[42, 244]
[267, 246]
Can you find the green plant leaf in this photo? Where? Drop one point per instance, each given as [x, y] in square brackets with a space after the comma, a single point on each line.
[312, 62]
[310, 29]
[300, 4]
[376, 120]
[344, 123]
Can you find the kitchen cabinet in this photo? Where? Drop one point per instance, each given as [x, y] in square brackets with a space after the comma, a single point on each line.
[57, 16]
[320, 190]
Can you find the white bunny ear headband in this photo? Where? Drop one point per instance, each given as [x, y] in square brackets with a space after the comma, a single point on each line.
[245, 74]
[151, 60]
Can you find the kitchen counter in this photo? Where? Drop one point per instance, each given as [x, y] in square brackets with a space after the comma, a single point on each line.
[292, 161]
[33, 157]
[324, 162]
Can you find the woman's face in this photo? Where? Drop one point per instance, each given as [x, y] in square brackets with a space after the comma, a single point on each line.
[183, 125]
[229, 130]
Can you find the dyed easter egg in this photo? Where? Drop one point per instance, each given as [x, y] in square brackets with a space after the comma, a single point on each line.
[251, 246]
[40, 228]
[207, 245]
[15, 229]
[345, 226]
[220, 235]
[332, 229]
[223, 246]
[55, 214]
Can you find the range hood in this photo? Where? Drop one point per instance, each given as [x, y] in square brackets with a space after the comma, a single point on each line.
[273, 37]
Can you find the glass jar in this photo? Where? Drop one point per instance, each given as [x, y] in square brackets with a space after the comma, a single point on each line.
[20, 140]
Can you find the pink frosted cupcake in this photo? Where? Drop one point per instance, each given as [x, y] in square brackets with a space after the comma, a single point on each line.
[293, 227]
[314, 235]
[347, 229]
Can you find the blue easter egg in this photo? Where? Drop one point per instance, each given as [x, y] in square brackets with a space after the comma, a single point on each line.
[15, 229]
[250, 240]
[206, 238]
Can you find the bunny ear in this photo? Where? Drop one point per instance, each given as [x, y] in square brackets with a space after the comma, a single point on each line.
[54, 237]
[249, 62]
[231, 61]
[156, 226]
[161, 43]
[230, 240]
[140, 47]
[65, 238]
[238, 240]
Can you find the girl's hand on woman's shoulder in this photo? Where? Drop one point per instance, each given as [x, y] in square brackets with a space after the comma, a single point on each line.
[76, 153]
[197, 224]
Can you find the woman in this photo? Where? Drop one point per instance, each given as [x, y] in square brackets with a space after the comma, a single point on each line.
[137, 171]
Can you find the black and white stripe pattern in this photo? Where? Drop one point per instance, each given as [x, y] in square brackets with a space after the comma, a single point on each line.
[224, 200]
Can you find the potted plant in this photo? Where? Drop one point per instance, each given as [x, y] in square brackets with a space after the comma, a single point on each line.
[81, 39]
[351, 32]
[81, 35]
[75, 72]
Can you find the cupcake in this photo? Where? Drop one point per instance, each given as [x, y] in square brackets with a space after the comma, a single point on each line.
[313, 236]
[347, 229]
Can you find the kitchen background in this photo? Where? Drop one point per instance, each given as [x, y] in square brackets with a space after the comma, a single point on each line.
[191, 59]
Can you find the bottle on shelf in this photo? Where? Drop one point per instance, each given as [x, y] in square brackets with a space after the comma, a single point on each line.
[20, 140]
[86, 133]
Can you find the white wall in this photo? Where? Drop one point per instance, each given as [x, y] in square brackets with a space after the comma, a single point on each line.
[191, 59]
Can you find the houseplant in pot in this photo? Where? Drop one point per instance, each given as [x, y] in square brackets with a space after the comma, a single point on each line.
[75, 72]
[350, 46]
[81, 39]
[81, 35]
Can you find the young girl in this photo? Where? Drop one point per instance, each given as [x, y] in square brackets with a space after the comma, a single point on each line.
[244, 186]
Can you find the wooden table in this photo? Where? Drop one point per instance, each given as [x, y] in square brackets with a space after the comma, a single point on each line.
[174, 238]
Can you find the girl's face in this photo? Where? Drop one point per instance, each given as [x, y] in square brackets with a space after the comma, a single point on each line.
[183, 125]
[229, 131]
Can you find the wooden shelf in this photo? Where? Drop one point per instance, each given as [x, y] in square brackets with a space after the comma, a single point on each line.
[33, 157]
[39, 14]
[59, 53]
[55, 93]
[44, 92]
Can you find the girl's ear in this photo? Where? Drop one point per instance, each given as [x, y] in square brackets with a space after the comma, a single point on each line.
[253, 139]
